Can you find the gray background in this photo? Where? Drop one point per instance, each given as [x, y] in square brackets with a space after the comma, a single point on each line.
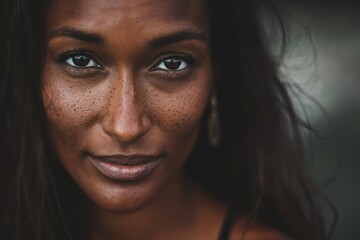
[324, 59]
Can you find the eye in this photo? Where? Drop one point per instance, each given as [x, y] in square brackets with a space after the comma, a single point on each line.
[173, 64]
[81, 61]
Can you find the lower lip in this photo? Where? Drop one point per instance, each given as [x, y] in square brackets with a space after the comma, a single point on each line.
[125, 173]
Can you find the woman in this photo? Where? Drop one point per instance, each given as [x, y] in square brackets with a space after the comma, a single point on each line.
[147, 119]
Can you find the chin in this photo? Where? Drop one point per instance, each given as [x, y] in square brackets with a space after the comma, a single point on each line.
[121, 204]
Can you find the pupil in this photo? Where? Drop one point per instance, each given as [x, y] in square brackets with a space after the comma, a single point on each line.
[172, 64]
[81, 60]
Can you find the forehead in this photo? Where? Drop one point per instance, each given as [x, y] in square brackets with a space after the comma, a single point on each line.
[139, 14]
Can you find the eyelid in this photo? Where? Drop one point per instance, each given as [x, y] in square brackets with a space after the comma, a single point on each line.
[180, 55]
[72, 53]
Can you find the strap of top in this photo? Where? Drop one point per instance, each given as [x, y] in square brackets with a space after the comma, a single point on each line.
[227, 224]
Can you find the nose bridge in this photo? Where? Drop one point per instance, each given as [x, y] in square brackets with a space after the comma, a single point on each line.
[124, 96]
[125, 120]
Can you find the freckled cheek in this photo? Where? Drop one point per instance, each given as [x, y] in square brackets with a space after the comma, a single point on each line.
[180, 111]
[69, 108]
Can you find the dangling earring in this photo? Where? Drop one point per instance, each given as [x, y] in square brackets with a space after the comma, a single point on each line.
[214, 129]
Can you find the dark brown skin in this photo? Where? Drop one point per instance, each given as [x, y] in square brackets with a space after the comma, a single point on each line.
[124, 100]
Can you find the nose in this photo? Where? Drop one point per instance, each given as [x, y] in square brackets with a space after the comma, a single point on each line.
[125, 120]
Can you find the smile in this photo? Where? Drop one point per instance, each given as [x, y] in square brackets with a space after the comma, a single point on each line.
[125, 168]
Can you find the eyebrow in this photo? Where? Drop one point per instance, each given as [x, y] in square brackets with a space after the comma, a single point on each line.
[157, 42]
[76, 34]
[178, 37]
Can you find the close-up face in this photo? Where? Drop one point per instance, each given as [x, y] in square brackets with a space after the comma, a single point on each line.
[125, 85]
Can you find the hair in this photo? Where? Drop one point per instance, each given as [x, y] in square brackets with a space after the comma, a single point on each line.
[258, 167]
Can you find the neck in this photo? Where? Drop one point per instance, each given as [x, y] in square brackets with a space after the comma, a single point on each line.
[171, 210]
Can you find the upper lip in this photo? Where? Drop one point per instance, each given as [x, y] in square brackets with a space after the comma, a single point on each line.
[136, 159]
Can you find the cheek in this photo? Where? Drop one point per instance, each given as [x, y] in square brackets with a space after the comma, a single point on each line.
[70, 109]
[181, 111]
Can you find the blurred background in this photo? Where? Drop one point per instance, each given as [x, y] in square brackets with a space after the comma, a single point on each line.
[324, 60]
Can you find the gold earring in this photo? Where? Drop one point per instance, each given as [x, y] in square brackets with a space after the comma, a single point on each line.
[214, 129]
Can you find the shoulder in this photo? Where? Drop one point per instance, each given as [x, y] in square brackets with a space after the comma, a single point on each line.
[255, 231]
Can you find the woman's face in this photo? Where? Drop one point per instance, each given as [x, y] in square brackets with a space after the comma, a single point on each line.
[125, 85]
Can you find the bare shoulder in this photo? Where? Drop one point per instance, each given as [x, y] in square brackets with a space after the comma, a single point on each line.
[256, 231]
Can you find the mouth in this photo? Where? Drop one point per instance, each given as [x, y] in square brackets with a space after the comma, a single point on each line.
[125, 168]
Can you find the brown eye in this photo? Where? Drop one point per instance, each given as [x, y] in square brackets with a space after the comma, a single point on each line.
[173, 64]
[81, 60]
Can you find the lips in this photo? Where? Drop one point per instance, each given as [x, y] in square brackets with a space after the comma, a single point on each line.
[125, 168]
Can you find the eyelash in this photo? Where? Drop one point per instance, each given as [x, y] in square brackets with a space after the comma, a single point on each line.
[186, 59]
[79, 71]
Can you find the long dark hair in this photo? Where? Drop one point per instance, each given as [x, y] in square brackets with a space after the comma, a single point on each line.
[258, 168]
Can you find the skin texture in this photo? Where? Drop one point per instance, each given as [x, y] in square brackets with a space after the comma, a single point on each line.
[123, 102]
[125, 107]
